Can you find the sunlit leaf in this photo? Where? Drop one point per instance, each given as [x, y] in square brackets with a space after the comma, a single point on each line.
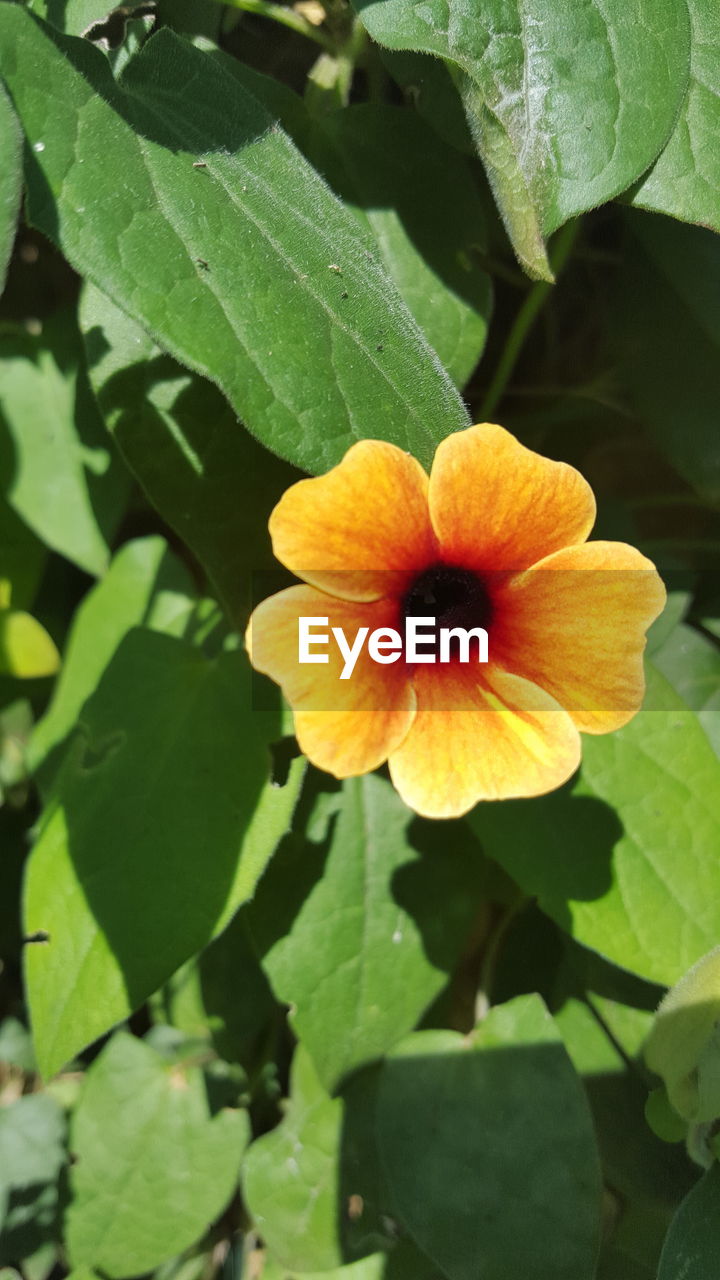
[208, 478]
[685, 179]
[224, 243]
[290, 1176]
[364, 952]
[26, 649]
[166, 1149]
[145, 586]
[625, 857]
[422, 207]
[58, 470]
[568, 104]
[161, 820]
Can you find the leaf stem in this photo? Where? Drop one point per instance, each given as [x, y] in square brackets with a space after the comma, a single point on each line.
[330, 79]
[527, 315]
[495, 940]
[286, 17]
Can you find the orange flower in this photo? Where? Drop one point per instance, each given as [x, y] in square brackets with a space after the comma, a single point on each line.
[496, 537]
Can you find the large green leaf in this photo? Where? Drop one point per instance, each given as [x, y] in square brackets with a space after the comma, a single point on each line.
[153, 1165]
[10, 180]
[685, 179]
[145, 586]
[416, 201]
[367, 949]
[420, 203]
[625, 857]
[246, 268]
[209, 479]
[161, 820]
[59, 471]
[668, 322]
[693, 1242]
[488, 1148]
[568, 104]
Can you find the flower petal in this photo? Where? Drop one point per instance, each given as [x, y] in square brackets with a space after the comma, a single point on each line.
[359, 530]
[481, 738]
[496, 505]
[575, 625]
[344, 726]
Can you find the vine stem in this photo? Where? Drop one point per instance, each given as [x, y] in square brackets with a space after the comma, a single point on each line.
[490, 957]
[286, 17]
[527, 315]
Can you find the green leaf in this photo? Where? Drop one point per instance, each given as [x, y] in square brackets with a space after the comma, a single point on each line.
[208, 478]
[26, 649]
[10, 180]
[16, 1045]
[160, 823]
[238, 268]
[625, 857]
[568, 105]
[362, 954]
[32, 1141]
[647, 1178]
[303, 1178]
[427, 82]
[73, 16]
[290, 1176]
[423, 208]
[668, 322]
[493, 1132]
[62, 479]
[23, 556]
[32, 1155]
[693, 1241]
[153, 1166]
[223, 994]
[145, 586]
[685, 179]
[416, 202]
[593, 1029]
[373, 1268]
[691, 662]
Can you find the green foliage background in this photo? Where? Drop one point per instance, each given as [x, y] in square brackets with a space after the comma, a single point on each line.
[281, 1026]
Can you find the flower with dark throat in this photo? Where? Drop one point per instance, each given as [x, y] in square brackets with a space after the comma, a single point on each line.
[495, 538]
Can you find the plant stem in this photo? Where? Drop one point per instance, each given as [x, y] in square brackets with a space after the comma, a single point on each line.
[526, 317]
[487, 969]
[330, 79]
[286, 17]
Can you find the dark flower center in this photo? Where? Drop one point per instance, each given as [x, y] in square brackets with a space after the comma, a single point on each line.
[454, 597]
